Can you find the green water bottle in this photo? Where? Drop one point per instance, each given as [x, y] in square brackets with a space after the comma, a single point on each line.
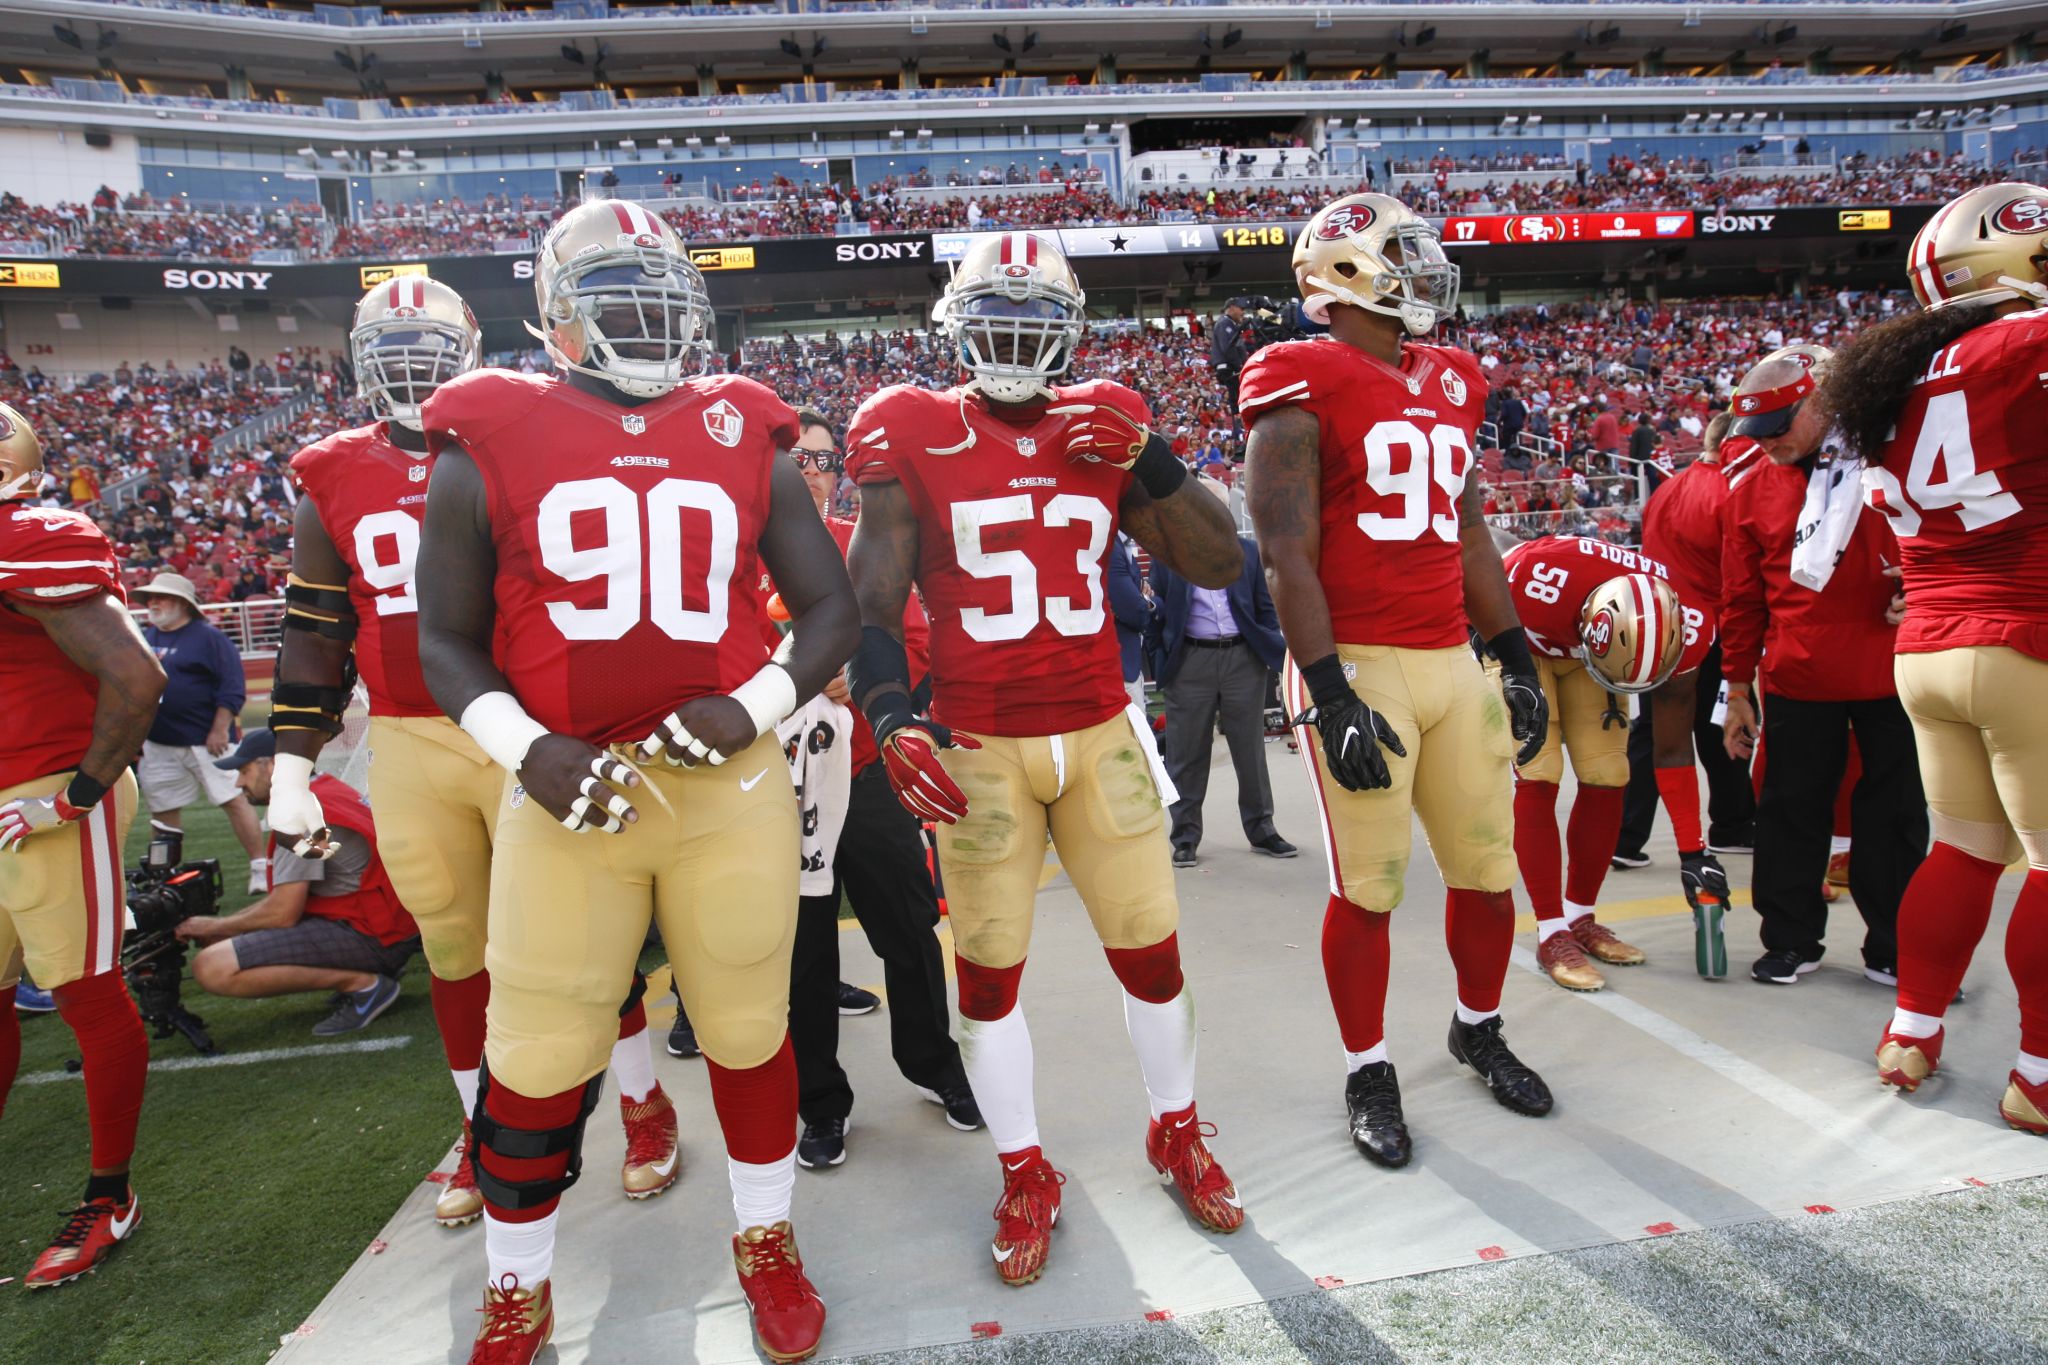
[1709, 947]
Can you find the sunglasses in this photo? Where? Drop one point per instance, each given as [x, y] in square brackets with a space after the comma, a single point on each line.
[832, 460]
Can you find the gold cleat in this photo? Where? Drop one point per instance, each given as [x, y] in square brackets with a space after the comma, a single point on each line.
[1599, 941]
[1566, 962]
[518, 1323]
[653, 1158]
[460, 1200]
[2025, 1106]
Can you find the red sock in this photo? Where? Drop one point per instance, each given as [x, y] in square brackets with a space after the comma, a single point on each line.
[10, 1044]
[1852, 773]
[514, 1110]
[1536, 846]
[633, 1020]
[2026, 957]
[115, 1053]
[1590, 837]
[1680, 788]
[1479, 926]
[757, 1107]
[1152, 974]
[988, 993]
[1355, 955]
[459, 1013]
[1941, 918]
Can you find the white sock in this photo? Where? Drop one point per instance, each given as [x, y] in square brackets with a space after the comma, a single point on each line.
[1574, 913]
[1546, 927]
[1163, 1036]
[1467, 1015]
[761, 1194]
[1376, 1053]
[465, 1086]
[1837, 844]
[633, 1067]
[997, 1055]
[1911, 1025]
[526, 1250]
[2033, 1070]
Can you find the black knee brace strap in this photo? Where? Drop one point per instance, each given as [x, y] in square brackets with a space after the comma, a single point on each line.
[634, 996]
[528, 1144]
[307, 706]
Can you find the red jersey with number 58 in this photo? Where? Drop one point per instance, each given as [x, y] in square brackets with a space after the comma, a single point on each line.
[1396, 450]
[49, 556]
[1551, 578]
[1964, 480]
[372, 496]
[1013, 533]
[627, 537]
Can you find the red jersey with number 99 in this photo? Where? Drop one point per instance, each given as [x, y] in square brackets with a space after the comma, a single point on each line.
[627, 537]
[1964, 480]
[1396, 450]
[1551, 578]
[1013, 533]
[49, 557]
[371, 496]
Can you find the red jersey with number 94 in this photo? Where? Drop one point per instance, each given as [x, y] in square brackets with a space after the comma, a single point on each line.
[1013, 534]
[1551, 578]
[371, 496]
[1396, 451]
[1964, 480]
[628, 540]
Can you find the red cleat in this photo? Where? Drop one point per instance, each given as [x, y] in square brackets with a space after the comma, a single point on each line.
[789, 1317]
[88, 1237]
[460, 1202]
[653, 1159]
[2025, 1106]
[1905, 1061]
[518, 1323]
[1174, 1144]
[1025, 1215]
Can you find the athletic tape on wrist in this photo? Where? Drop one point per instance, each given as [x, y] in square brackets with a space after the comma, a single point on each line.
[769, 696]
[501, 728]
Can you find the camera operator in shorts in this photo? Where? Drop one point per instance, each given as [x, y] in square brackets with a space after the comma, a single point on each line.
[329, 923]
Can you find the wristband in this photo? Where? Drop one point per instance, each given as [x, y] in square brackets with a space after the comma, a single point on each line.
[878, 661]
[1158, 468]
[501, 728]
[292, 773]
[1327, 684]
[84, 792]
[1511, 647]
[769, 696]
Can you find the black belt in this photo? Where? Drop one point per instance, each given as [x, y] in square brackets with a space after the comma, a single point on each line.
[1227, 642]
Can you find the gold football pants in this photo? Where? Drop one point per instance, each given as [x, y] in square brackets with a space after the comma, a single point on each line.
[436, 797]
[62, 901]
[1982, 733]
[1599, 752]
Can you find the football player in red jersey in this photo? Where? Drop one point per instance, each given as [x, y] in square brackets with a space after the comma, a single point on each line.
[999, 498]
[78, 690]
[589, 601]
[1603, 621]
[351, 601]
[1359, 464]
[1947, 407]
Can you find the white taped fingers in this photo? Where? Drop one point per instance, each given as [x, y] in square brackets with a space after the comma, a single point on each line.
[600, 806]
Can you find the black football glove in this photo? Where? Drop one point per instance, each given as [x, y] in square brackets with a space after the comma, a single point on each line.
[1352, 732]
[1703, 876]
[1522, 690]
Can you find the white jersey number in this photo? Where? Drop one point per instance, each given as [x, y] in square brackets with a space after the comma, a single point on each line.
[970, 519]
[1403, 461]
[622, 558]
[392, 577]
[1944, 441]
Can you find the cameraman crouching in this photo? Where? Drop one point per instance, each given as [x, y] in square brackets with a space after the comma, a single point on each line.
[330, 924]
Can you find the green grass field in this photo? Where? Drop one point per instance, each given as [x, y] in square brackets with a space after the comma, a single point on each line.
[259, 1183]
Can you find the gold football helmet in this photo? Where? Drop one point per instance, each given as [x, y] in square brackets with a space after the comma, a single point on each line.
[1631, 632]
[1984, 245]
[410, 336]
[1014, 309]
[619, 299]
[1374, 252]
[1811, 354]
[21, 456]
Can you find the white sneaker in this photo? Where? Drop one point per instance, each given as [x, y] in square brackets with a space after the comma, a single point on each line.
[259, 879]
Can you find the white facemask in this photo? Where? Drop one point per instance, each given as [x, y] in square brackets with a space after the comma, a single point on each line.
[164, 616]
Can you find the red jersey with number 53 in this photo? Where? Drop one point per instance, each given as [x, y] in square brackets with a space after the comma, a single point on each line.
[1964, 480]
[49, 556]
[372, 496]
[628, 540]
[1396, 451]
[1551, 578]
[1013, 533]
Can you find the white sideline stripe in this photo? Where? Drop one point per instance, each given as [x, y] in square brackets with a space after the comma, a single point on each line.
[1779, 1094]
[275, 1054]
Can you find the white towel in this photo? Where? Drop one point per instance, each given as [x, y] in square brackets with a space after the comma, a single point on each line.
[818, 742]
[1834, 500]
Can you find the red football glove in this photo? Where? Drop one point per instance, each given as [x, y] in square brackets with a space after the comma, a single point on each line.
[26, 815]
[910, 755]
[1098, 431]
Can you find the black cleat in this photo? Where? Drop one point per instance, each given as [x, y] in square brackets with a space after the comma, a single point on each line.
[1481, 1047]
[1373, 1096]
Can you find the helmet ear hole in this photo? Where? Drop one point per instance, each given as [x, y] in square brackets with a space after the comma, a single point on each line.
[1346, 269]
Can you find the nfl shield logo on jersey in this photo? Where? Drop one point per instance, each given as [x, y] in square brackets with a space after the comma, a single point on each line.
[1026, 446]
[417, 474]
[1454, 388]
[723, 421]
[634, 423]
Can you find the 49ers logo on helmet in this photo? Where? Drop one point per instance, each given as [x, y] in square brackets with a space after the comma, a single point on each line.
[1599, 633]
[1017, 272]
[1344, 220]
[6, 426]
[2022, 215]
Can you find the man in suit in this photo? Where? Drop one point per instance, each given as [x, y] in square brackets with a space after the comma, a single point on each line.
[1217, 652]
[1132, 607]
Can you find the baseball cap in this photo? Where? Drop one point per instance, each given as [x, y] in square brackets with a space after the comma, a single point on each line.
[1769, 412]
[255, 744]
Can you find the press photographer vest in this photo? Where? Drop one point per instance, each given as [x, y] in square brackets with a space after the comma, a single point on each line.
[372, 907]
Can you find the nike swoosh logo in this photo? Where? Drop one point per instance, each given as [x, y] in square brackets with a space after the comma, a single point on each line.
[665, 1167]
[747, 783]
[1183, 1123]
[1016, 1168]
[1231, 1200]
[1005, 1254]
[1345, 748]
[120, 1225]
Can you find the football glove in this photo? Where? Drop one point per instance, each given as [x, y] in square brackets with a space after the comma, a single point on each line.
[1703, 876]
[1522, 690]
[1352, 732]
[1101, 432]
[26, 815]
[910, 755]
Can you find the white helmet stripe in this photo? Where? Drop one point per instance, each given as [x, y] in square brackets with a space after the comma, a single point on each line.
[1649, 628]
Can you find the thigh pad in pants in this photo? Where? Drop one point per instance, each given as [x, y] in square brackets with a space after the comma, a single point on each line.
[62, 892]
[993, 857]
[1580, 711]
[436, 796]
[1108, 824]
[1464, 786]
[1983, 740]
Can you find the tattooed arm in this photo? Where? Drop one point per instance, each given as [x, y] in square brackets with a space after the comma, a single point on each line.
[1189, 530]
[1283, 472]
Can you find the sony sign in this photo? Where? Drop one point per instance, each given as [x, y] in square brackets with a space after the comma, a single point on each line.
[878, 251]
[178, 277]
[1736, 222]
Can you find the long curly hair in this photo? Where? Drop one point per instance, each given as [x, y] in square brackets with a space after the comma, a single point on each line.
[1868, 382]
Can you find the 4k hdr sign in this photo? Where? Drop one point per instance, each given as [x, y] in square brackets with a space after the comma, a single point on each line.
[379, 274]
[28, 275]
[1865, 220]
[722, 257]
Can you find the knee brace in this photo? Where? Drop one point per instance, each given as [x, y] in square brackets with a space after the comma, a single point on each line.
[527, 1144]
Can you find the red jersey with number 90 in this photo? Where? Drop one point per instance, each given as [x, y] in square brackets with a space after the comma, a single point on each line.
[1551, 578]
[1964, 480]
[1013, 534]
[1396, 450]
[371, 496]
[627, 537]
